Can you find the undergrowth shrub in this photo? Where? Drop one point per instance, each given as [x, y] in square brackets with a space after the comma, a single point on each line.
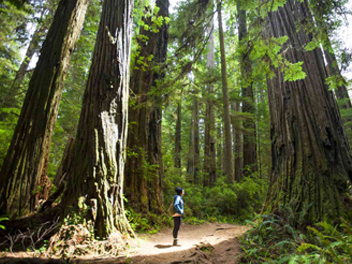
[221, 202]
[275, 239]
[150, 223]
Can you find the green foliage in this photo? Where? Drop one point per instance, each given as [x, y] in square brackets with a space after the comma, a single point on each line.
[274, 239]
[150, 224]
[1, 220]
[224, 202]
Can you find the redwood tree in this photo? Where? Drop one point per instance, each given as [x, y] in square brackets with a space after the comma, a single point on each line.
[193, 152]
[23, 164]
[228, 155]
[177, 157]
[96, 174]
[310, 153]
[209, 130]
[144, 167]
[249, 136]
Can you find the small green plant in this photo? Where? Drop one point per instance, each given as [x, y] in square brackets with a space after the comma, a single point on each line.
[1, 220]
[277, 239]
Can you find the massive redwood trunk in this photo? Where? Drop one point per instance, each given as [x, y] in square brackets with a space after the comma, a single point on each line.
[249, 136]
[23, 164]
[310, 153]
[144, 166]
[96, 175]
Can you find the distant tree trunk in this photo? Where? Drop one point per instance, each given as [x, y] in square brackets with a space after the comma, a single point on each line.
[97, 171]
[310, 153]
[22, 167]
[228, 165]
[333, 70]
[237, 142]
[42, 27]
[249, 137]
[177, 157]
[10, 99]
[60, 177]
[144, 169]
[220, 146]
[332, 65]
[209, 130]
[193, 153]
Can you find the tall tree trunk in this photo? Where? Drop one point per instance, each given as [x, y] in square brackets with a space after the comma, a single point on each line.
[220, 146]
[237, 142]
[249, 137]
[333, 70]
[42, 27]
[228, 165]
[209, 130]
[177, 157]
[97, 170]
[22, 167]
[144, 170]
[193, 153]
[310, 152]
[332, 65]
[12, 98]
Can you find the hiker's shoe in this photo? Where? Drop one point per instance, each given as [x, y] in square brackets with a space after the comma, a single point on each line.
[176, 243]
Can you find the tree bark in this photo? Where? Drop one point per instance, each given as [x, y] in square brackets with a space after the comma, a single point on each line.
[144, 169]
[249, 137]
[193, 153]
[228, 165]
[220, 145]
[177, 158]
[237, 142]
[310, 153]
[97, 171]
[22, 167]
[209, 130]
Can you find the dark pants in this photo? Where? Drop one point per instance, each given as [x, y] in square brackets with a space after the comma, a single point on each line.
[177, 224]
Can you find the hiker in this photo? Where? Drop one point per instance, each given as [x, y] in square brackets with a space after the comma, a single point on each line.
[178, 207]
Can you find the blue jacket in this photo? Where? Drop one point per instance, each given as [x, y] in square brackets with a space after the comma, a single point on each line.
[178, 204]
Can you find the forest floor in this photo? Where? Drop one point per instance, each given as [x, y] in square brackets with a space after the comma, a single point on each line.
[207, 243]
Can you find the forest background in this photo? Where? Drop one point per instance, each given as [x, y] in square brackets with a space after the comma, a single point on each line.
[209, 127]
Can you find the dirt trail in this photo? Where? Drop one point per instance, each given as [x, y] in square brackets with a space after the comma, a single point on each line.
[207, 243]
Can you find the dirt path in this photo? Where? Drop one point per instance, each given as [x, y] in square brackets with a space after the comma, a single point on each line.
[207, 243]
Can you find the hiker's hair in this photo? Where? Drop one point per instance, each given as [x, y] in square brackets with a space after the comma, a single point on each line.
[178, 190]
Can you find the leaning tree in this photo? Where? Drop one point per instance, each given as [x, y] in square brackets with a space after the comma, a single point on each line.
[25, 161]
[97, 168]
[311, 160]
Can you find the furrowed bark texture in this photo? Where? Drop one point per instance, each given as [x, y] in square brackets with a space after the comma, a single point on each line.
[310, 153]
[209, 130]
[228, 163]
[144, 169]
[20, 173]
[97, 170]
[249, 137]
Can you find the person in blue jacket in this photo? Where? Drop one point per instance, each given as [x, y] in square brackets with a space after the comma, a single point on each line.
[178, 207]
